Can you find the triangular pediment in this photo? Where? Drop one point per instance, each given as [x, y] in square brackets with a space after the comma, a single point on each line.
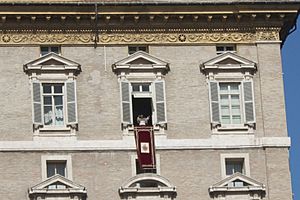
[238, 182]
[228, 60]
[141, 61]
[57, 184]
[52, 62]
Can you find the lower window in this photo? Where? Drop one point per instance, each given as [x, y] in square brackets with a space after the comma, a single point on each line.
[56, 167]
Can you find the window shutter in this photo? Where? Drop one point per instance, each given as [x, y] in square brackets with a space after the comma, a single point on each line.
[37, 103]
[249, 112]
[214, 102]
[126, 102]
[71, 102]
[160, 102]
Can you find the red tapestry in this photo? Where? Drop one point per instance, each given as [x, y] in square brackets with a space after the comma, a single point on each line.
[144, 139]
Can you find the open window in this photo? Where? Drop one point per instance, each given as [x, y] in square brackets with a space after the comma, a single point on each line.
[53, 80]
[142, 90]
[231, 94]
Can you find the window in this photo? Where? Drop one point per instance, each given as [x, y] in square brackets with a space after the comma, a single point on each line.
[138, 99]
[53, 105]
[142, 90]
[56, 167]
[54, 102]
[232, 163]
[232, 103]
[225, 48]
[133, 49]
[231, 94]
[56, 164]
[47, 49]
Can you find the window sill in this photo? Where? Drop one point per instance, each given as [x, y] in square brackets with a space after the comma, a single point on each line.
[233, 129]
[55, 131]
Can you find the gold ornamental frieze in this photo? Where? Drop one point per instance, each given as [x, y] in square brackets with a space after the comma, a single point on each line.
[138, 38]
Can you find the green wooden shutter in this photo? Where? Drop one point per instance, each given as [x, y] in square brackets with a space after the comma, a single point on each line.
[37, 117]
[71, 102]
[126, 102]
[249, 111]
[214, 102]
[160, 102]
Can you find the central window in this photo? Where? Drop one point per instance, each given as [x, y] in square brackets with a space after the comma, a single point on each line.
[146, 99]
[230, 103]
[53, 104]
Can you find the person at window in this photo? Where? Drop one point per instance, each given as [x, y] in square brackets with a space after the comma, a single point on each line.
[142, 121]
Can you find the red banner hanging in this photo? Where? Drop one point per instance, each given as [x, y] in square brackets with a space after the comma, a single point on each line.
[144, 139]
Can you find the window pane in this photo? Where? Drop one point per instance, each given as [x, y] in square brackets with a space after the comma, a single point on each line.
[60, 168]
[136, 87]
[225, 110]
[142, 48]
[46, 89]
[47, 100]
[145, 88]
[59, 115]
[236, 119]
[225, 119]
[48, 115]
[224, 87]
[50, 169]
[234, 87]
[58, 100]
[55, 49]
[235, 99]
[224, 100]
[235, 110]
[229, 169]
[44, 50]
[58, 89]
[229, 48]
[131, 50]
[238, 167]
[220, 48]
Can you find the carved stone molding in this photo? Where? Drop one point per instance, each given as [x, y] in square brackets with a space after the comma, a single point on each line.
[139, 38]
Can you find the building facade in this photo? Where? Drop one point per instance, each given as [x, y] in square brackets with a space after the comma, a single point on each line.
[75, 75]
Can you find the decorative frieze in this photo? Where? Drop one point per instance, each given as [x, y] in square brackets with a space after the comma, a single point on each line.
[139, 38]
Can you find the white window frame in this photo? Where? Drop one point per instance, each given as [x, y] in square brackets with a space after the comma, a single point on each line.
[58, 158]
[63, 94]
[244, 156]
[137, 48]
[231, 125]
[50, 49]
[225, 48]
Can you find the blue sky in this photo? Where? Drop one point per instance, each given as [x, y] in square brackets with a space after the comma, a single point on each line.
[291, 70]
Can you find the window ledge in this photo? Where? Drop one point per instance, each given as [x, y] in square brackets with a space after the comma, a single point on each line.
[55, 128]
[233, 129]
[62, 131]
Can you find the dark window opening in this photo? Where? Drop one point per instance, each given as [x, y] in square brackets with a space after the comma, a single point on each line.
[139, 170]
[142, 106]
[133, 49]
